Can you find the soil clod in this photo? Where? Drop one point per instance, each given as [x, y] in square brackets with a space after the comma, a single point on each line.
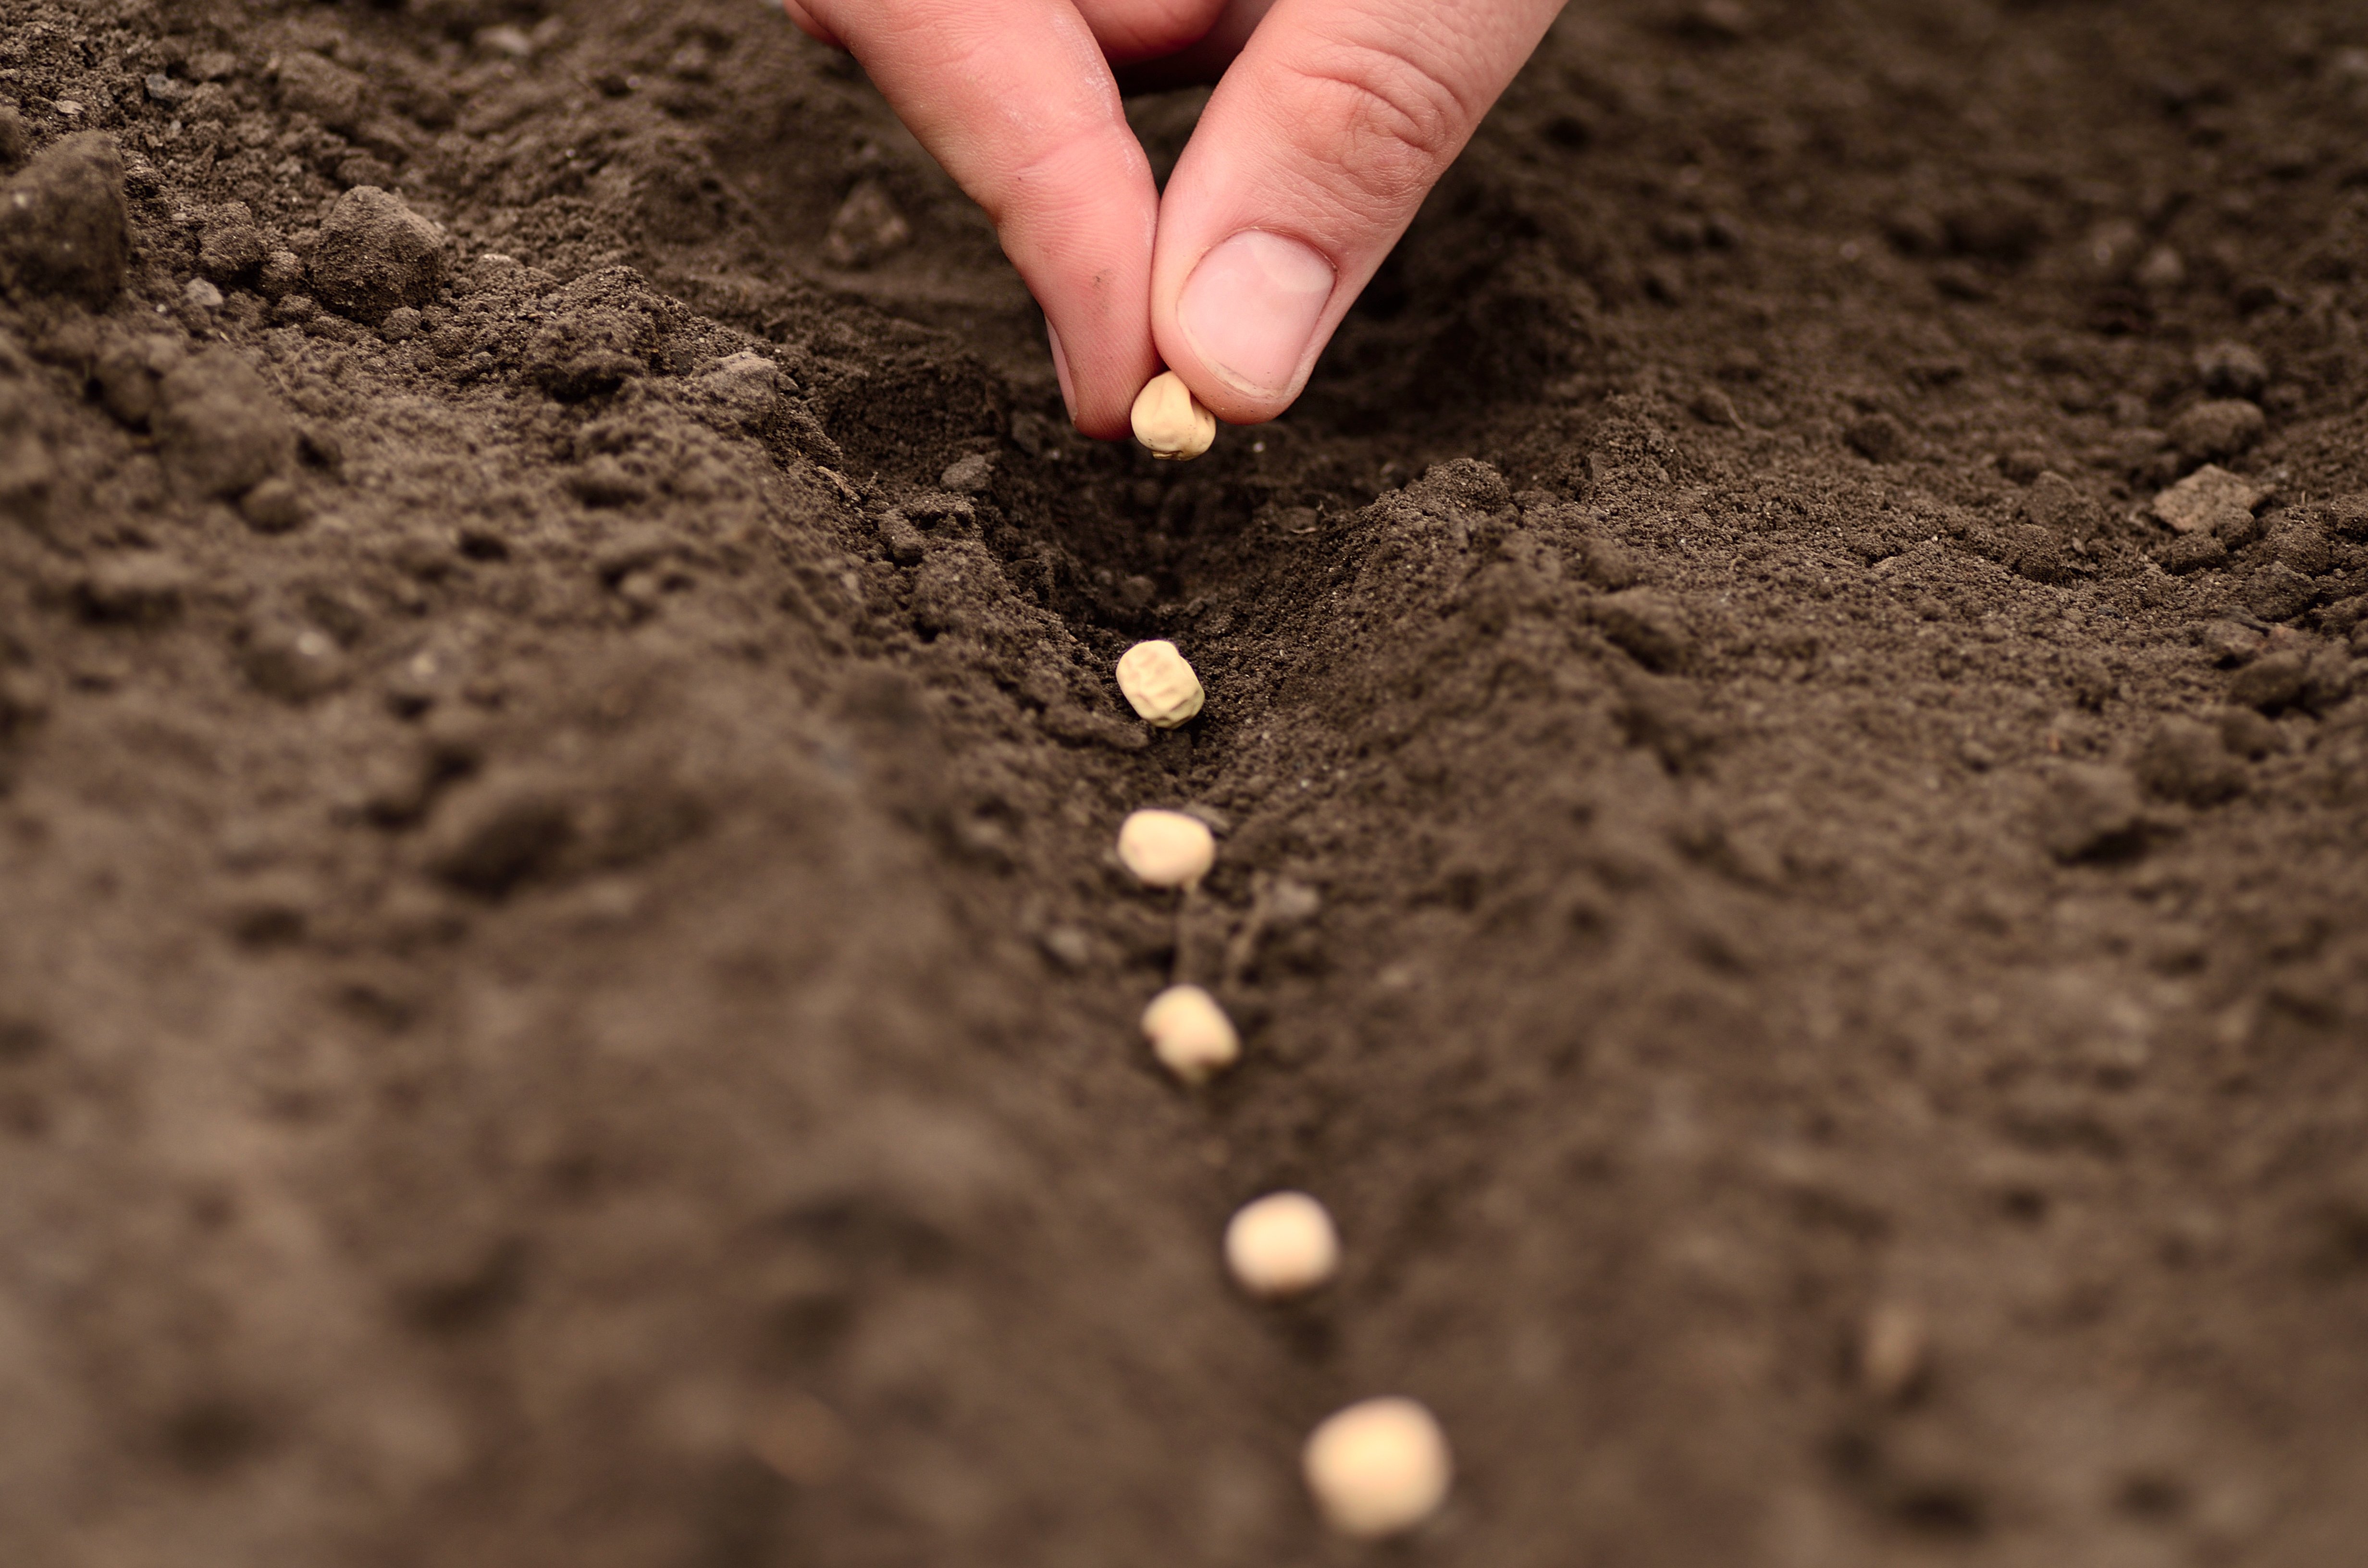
[220, 425]
[374, 253]
[65, 225]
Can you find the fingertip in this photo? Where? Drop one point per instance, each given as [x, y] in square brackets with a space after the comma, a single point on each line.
[1100, 393]
[811, 25]
[1106, 420]
[1016, 100]
[1100, 428]
[1061, 371]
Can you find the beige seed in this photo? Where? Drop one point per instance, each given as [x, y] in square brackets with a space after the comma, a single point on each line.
[1166, 849]
[1282, 1244]
[1189, 1033]
[1171, 421]
[1159, 684]
[1378, 1467]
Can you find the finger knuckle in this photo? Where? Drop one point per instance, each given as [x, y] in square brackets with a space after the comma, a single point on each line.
[1400, 120]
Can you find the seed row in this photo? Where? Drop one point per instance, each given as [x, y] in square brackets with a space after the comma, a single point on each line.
[1381, 1466]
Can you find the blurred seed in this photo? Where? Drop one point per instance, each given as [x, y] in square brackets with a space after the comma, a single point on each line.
[1159, 684]
[1191, 1034]
[1378, 1467]
[1282, 1244]
[1171, 421]
[1166, 849]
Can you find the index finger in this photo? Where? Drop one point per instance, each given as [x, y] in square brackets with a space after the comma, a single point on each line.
[1016, 100]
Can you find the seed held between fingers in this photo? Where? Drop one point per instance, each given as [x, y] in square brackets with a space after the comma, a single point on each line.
[1159, 684]
[1171, 421]
[1191, 1034]
[1166, 849]
[1282, 1244]
[1378, 1467]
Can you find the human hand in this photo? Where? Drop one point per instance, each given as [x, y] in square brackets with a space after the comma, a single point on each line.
[1330, 123]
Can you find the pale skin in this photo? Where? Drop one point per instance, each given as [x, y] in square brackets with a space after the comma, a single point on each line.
[1330, 123]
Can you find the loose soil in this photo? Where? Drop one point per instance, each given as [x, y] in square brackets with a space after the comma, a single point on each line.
[563, 996]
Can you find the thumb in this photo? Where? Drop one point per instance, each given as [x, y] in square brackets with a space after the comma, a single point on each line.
[1310, 161]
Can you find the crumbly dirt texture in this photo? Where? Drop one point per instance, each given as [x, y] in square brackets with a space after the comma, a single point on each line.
[564, 997]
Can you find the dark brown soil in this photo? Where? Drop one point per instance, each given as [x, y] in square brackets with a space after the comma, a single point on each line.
[563, 999]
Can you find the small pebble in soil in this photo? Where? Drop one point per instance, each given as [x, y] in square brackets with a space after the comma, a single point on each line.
[1191, 1034]
[2205, 501]
[1166, 849]
[1378, 1468]
[274, 507]
[867, 229]
[902, 542]
[1068, 947]
[1159, 684]
[280, 275]
[1282, 1244]
[970, 475]
[1171, 421]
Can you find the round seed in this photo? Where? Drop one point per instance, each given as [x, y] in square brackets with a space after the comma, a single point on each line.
[1171, 421]
[1159, 684]
[1378, 1467]
[1189, 1033]
[1166, 849]
[1282, 1244]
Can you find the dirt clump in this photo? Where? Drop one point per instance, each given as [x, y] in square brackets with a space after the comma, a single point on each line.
[373, 254]
[64, 230]
[219, 426]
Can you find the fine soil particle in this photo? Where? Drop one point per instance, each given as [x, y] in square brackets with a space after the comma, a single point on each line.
[1786, 731]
